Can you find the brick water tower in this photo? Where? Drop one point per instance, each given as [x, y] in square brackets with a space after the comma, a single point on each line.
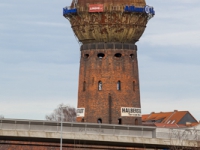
[108, 78]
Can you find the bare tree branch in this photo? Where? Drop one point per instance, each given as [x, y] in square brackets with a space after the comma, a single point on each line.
[69, 114]
[182, 135]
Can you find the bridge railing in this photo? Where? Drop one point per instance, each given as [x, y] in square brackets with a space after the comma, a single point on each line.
[192, 134]
[102, 129]
[81, 128]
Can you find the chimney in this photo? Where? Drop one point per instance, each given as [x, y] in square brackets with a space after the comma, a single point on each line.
[175, 110]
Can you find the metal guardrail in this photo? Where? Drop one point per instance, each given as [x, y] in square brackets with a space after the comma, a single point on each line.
[109, 45]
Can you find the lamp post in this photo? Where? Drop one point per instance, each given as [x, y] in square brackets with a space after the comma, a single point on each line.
[61, 125]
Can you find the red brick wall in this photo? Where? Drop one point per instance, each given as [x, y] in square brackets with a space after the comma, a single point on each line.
[109, 70]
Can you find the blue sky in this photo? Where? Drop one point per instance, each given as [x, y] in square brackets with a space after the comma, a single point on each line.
[39, 58]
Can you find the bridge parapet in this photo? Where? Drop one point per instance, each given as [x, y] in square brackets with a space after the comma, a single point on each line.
[100, 133]
[81, 128]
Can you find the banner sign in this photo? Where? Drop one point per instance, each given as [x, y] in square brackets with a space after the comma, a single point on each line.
[80, 112]
[131, 112]
[96, 8]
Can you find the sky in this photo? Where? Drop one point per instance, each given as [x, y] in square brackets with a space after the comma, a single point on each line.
[39, 58]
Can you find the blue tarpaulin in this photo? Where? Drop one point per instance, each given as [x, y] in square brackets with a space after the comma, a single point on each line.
[69, 11]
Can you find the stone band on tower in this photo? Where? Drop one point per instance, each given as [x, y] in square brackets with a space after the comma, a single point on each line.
[108, 79]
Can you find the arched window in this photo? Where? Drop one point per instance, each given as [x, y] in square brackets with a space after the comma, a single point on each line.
[120, 121]
[100, 85]
[133, 85]
[99, 120]
[132, 56]
[84, 86]
[118, 85]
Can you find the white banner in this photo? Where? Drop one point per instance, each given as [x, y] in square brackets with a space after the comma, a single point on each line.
[80, 112]
[131, 112]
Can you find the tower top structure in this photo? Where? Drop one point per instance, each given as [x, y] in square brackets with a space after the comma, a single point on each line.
[97, 21]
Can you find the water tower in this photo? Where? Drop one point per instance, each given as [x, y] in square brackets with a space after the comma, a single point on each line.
[108, 78]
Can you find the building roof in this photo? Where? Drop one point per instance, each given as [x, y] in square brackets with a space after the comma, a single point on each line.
[168, 118]
[170, 125]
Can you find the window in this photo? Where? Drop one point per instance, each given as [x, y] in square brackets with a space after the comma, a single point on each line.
[118, 55]
[131, 56]
[100, 85]
[100, 55]
[86, 56]
[99, 120]
[120, 121]
[118, 85]
[168, 121]
[173, 121]
[84, 86]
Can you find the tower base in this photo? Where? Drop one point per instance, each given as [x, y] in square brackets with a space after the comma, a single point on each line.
[109, 84]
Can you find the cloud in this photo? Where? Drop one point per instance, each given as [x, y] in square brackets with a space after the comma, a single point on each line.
[175, 24]
[187, 38]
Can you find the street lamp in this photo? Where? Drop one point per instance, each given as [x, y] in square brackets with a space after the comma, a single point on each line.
[61, 125]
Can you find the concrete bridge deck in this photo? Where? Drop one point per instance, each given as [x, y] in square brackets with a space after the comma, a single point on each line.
[98, 134]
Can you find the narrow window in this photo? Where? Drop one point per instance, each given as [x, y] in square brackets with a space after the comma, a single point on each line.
[132, 56]
[84, 86]
[133, 85]
[120, 121]
[100, 85]
[99, 120]
[136, 121]
[118, 85]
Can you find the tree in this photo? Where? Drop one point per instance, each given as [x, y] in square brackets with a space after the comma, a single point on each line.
[179, 136]
[69, 114]
[1, 117]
